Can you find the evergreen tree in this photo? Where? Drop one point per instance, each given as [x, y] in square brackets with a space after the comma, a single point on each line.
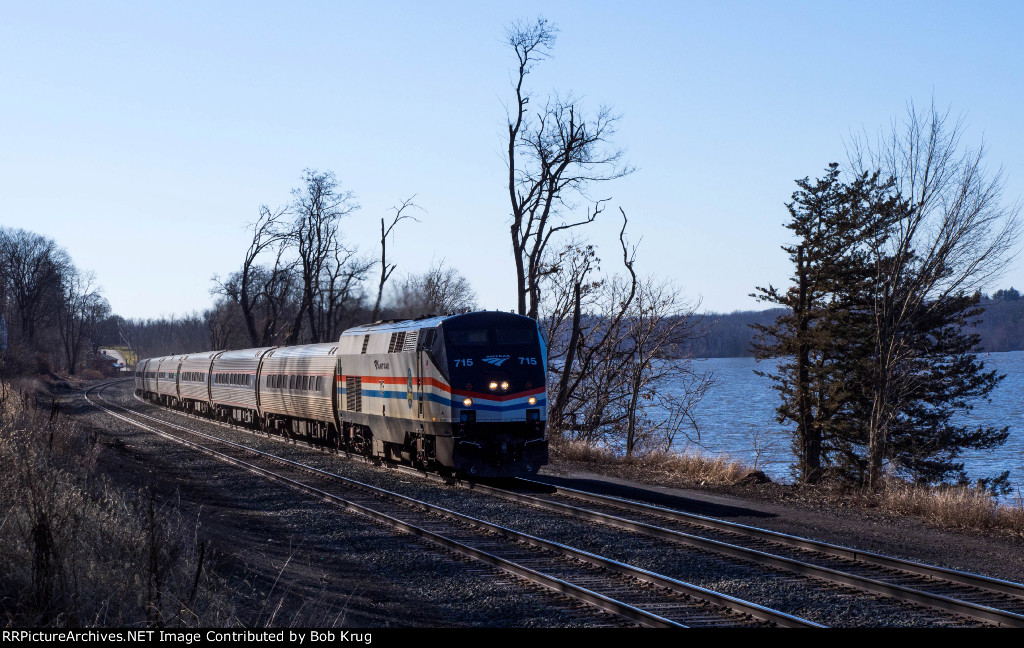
[943, 377]
[809, 339]
[920, 370]
[874, 360]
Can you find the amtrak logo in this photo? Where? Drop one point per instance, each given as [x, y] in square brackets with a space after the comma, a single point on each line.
[496, 360]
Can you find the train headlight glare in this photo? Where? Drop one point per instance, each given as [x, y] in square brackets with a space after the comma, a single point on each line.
[504, 385]
[493, 385]
[468, 402]
[533, 400]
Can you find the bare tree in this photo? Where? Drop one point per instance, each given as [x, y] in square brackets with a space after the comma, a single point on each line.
[221, 324]
[587, 343]
[279, 292]
[189, 333]
[571, 289]
[439, 290]
[955, 236]
[662, 386]
[82, 308]
[32, 266]
[318, 207]
[616, 345]
[341, 289]
[385, 268]
[248, 287]
[960, 227]
[553, 158]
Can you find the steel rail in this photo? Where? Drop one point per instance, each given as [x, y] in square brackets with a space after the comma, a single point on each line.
[596, 599]
[687, 589]
[936, 601]
[954, 576]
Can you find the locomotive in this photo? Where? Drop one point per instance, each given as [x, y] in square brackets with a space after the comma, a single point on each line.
[461, 393]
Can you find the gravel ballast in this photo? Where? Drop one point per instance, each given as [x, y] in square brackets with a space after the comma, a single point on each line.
[299, 562]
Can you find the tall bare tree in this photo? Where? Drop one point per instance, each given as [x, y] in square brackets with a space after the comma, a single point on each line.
[318, 206]
[553, 158]
[82, 309]
[33, 267]
[248, 286]
[386, 269]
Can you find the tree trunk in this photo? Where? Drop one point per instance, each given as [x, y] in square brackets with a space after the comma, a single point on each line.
[570, 358]
[810, 439]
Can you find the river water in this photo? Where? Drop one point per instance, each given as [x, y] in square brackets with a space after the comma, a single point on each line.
[737, 418]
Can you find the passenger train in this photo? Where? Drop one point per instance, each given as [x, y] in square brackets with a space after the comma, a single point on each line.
[460, 393]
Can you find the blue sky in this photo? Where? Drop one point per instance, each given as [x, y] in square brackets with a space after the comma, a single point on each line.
[144, 136]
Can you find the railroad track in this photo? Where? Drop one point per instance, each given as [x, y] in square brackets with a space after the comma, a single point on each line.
[948, 592]
[974, 596]
[638, 595]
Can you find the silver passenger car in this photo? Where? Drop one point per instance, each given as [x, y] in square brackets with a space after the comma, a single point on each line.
[167, 378]
[145, 377]
[233, 382]
[194, 380]
[299, 382]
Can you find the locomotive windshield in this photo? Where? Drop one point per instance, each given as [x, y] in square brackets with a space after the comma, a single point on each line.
[505, 336]
[479, 348]
[470, 337]
[494, 337]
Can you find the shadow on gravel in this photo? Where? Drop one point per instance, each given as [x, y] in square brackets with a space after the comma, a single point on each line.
[653, 495]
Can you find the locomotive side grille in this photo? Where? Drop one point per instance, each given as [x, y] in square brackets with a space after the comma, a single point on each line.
[366, 342]
[410, 341]
[397, 342]
[353, 393]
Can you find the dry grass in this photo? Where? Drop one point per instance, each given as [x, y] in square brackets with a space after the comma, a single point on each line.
[958, 507]
[78, 552]
[952, 507]
[666, 468]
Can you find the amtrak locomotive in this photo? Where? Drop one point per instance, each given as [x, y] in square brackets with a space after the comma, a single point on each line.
[462, 393]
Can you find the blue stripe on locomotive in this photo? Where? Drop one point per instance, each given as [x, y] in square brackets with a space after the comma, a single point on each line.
[447, 402]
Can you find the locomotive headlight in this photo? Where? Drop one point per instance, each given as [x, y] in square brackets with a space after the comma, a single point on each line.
[468, 402]
[493, 385]
[504, 385]
[532, 400]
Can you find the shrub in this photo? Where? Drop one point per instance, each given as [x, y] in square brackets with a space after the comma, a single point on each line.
[80, 552]
[958, 506]
[691, 468]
